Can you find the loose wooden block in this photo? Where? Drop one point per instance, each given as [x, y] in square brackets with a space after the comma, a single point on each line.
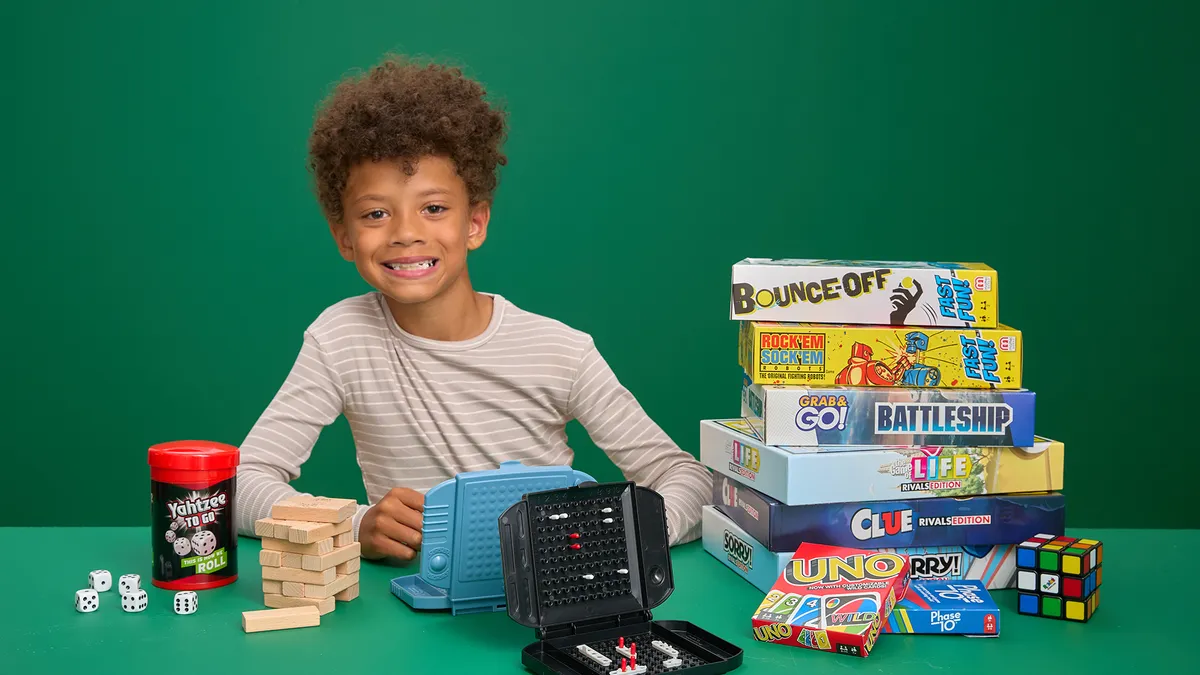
[351, 565]
[303, 576]
[293, 560]
[268, 558]
[299, 532]
[265, 527]
[343, 539]
[319, 548]
[323, 605]
[316, 509]
[348, 594]
[292, 589]
[339, 556]
[272, 586]
[324, 591]
[280, 619]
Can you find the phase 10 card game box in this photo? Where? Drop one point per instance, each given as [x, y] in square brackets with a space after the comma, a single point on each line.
[941, 521]
[945, 608]
[880, 356]
[832, 599]
[800, 416]
[865, 292]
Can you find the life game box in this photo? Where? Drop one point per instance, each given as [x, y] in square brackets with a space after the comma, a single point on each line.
[960, 295]
[942, 521]
[790, 415]
[945, 608]
[993, 566]
[832, 599]
[880, 356]
[848, 473]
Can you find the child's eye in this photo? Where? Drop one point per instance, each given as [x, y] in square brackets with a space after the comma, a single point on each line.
[435, 209]
[376, 214]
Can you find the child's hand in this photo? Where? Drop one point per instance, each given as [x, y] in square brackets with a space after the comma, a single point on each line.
[393, 526]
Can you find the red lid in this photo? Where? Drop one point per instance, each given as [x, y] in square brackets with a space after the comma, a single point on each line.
[194, 455]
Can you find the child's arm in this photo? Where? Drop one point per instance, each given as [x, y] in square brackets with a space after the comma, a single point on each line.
[283, 437]
[640, 448]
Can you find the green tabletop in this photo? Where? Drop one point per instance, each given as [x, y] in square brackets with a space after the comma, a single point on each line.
[1146, 623]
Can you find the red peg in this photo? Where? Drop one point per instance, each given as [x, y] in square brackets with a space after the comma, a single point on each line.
[621, 642]
[633, 662]
[574, 535]
[633, 650]
[575, 547]
[624, 662]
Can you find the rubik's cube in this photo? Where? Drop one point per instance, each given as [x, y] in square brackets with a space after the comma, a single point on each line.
[1059, 577]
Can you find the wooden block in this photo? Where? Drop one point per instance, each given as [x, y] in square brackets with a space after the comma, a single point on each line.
[342, 583]
[268, 558]
[292, 589]
[299, 532]
[348, 594]
[293, 560]
[323, 605]
[316, 509]
[265, 527]
[280, 619]
[351, 565]
[319, 548]
[343, 539]
[303, 576]
[272, 586]
[339, 556]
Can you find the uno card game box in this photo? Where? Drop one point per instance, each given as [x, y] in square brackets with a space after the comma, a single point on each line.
[945, 608]
[790, 415]
[584, 566]
[832, 599]
[941, 521]
[847, 473]
[880, 356]
[993, 566]
[865, 292]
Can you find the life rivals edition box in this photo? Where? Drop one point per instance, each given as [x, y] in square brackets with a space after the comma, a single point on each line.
[993, 566]
[942, 521]
[788, 415]
[832, 599]
[964, 295]
[880, 356]
[849, 473]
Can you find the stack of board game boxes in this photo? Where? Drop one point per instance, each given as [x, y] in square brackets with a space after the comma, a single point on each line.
[882, 411]
[309, 556]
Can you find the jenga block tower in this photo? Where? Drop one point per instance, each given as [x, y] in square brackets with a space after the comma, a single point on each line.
[1059, 577]
[309, 555]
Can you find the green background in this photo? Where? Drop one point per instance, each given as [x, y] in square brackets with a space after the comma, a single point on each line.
[164, 251]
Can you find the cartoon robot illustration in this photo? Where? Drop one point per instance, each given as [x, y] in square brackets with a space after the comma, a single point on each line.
[904, 369]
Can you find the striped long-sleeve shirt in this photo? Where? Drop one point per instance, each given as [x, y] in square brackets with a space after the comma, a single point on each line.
[422, 411]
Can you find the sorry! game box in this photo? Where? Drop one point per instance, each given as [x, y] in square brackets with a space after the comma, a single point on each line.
[865, 292]
[880, 356]
[832, 599]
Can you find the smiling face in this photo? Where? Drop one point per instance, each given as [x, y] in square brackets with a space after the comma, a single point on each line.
[409, 235]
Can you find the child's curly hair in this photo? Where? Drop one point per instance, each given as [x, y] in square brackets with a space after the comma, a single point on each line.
[403, 110]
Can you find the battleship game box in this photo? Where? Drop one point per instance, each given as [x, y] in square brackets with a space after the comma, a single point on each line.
[790, 415]
[832, 599]
[880, 356]
[845, 473]
[994, 566]
[959, 295]
[945, 608]
[941, 521]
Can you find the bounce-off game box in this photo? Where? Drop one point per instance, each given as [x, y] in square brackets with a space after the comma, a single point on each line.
[789, 415]
[865, 292]
[880, 356]
[944, 521]
[834, 474]
[832, 599]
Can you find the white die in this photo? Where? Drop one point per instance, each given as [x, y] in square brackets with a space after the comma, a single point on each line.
[129, 583]
[185, 602]
[170, 536]
[183, 546]
[204, 542]
[134, 601]
[86, 600]
[99, 580]
[177, 523]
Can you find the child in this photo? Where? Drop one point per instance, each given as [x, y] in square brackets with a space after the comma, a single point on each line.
[434, 377]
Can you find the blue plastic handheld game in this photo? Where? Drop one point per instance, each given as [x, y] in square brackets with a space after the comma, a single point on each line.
[460, 540]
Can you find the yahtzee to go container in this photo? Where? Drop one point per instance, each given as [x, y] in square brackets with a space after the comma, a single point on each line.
[192, 526]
